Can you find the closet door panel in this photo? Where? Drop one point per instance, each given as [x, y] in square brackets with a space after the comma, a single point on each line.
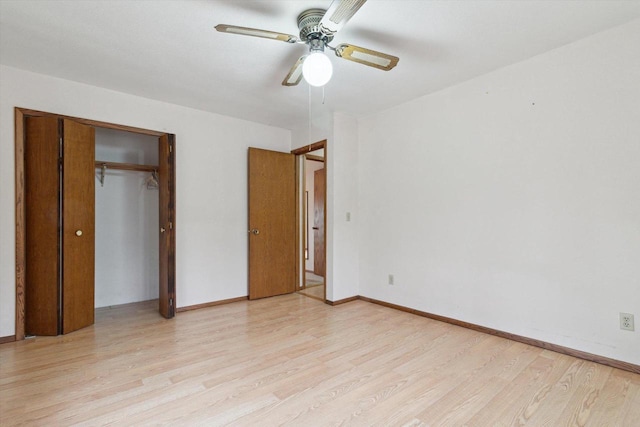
[166, 241]
[78, 235]
[42, 189]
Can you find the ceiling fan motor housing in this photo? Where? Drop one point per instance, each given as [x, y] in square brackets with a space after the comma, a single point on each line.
[309, 26]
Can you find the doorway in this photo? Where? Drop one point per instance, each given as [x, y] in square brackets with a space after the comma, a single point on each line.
[312, 221]
[165, 174]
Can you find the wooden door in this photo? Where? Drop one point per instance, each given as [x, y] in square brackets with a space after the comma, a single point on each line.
[78, 225]
[166, 199]
[318, 222]
[272, 223]
[42, 218]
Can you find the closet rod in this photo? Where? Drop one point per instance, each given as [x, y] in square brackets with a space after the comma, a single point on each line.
[126, 166]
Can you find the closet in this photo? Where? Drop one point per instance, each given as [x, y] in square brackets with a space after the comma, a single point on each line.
[71, 167]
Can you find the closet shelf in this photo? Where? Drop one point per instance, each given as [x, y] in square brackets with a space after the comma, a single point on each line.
[126, 166]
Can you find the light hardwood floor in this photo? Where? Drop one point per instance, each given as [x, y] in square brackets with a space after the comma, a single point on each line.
[296, 361]
[314, 291]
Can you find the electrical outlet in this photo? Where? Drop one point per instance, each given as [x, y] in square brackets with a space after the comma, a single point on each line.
[391, 279]
[626, 322]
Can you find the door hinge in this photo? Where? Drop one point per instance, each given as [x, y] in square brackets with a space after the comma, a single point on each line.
[170, 148]
[170, 225]
[170, 302]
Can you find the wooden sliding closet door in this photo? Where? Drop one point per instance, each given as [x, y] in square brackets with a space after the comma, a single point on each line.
[42, 192]
[78, 226]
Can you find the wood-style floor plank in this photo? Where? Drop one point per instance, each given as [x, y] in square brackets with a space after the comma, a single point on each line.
[293, 360]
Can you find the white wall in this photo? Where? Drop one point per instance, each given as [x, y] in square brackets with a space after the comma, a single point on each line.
[513, 200]
[126, 221]
[211, 156]
[345, 194]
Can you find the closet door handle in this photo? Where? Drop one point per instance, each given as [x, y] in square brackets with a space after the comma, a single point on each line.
[78, 233]
[162, 230]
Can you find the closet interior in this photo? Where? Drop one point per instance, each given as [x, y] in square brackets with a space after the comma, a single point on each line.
[126, 212]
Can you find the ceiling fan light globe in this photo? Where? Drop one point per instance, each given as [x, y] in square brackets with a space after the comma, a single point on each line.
[317, 69]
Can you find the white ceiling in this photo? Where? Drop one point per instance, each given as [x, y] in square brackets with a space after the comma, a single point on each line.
[169, 51]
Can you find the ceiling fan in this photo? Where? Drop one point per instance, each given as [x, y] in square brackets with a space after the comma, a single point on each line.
[317, 29]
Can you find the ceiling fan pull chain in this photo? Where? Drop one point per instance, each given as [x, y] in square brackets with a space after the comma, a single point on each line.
[309, 136]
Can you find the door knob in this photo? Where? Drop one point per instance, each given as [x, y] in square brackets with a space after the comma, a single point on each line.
[254, 231]
[162, 230]
[78, 233]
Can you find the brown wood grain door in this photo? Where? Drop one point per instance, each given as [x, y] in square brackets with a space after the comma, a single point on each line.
[318, 222]
[78, 225]
[272, 223]
[42, 218]
[166, 199]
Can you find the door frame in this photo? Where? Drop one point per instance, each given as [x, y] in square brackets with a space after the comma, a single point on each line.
[20, 218]
[300, 182]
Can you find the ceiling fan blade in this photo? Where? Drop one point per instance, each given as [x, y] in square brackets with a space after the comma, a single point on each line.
[368, 57]
[254, 32]
[295, 74]
[338, 14]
